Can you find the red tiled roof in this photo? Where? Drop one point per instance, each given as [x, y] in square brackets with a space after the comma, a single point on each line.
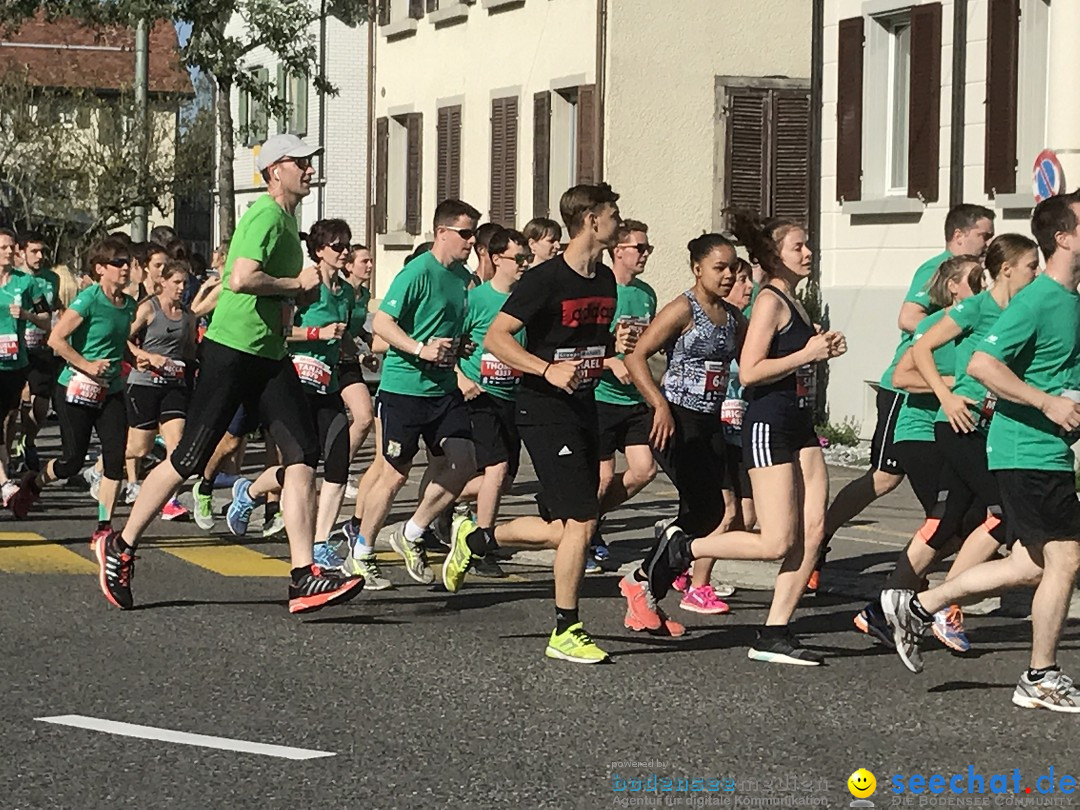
[67, 53]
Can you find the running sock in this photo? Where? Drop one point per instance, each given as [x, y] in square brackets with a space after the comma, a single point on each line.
[122, 546]
[773, 630]
[1036, 675]
[477, 541]
[565, 618]
[299, 573]
[354, 524]
[271, 509]
[413, 532]
[919, 610]
[639, 576]
[102, 525]
[492, 543]
[205, 487]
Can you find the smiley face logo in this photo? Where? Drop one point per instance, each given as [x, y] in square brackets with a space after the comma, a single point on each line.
[862, 784]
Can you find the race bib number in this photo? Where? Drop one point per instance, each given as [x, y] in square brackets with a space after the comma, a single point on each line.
[592, 362]
[805, 385]
[496, 373]
[34, 337]
[312, 372]
[986, 410]
[716, 380]
[732, 413]
[172, 373]
[82, 390]
[9, 348]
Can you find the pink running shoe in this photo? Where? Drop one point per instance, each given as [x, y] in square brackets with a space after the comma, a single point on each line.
[682, 582]
[703, 600]
[640, 605]
[173, 510]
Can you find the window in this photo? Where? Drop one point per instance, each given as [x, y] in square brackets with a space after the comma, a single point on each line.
[252, 122]
[765, 132]
[293, 90]
[398, 171]
[571, 132]
[1032, 75]
[504, 152]
[899, 86]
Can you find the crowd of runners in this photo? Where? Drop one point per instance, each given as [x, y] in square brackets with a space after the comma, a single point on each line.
[556, 343]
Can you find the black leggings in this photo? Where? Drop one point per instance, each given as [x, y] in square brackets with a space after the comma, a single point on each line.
[76, 424]
[332, 427]
[968, 492]
[694, 461]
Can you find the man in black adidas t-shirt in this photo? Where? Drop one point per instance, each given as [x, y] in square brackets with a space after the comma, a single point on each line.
[565, 306]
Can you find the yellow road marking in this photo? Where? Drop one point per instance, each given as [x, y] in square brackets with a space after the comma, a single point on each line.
[29, 553]
[223, 557]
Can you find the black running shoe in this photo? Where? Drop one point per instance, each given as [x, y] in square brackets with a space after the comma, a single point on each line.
[667, 559]
[317, 588]
[116, 569]
[783, 649]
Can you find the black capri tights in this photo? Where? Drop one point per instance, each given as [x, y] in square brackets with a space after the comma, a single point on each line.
[77, 423]
[694, 461]
[332, 427]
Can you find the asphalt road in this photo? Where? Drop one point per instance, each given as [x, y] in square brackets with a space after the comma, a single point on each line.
[430, 700]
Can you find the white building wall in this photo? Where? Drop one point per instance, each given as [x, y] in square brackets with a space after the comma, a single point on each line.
[514, 50]
[662, 150]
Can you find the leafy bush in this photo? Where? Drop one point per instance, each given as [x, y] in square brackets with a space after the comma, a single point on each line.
[845, 434]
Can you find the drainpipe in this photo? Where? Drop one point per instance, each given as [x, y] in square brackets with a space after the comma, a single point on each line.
[322, 111]
[956, 124]
[369, 217]
[601, 83]
[817, 65]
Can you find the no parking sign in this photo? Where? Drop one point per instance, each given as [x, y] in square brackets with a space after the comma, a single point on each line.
[1047, 179]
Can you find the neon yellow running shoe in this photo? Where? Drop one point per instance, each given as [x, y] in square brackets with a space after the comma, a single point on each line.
[576, 646]
[460, 556]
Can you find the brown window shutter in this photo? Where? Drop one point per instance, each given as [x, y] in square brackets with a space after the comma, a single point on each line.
[384, 12]
[414, 123]
[382, 165]
[924, 112]
[587, 170]
[1002, 70]
[498, 141]
[746, 161]
[449, 154]
[849, 98]
[791, 154]
[541, 152]
[416, 9]
[432, 5]
[504, 126]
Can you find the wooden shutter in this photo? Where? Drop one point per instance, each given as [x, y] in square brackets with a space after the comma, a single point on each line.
[244, 127]
[382, 166]
[746, 173]
[541, 153]
[283, 97]
[432, 5]
[416, 9]
[587, 170]
[1002, 70]
[449, 154]
[849, 99]
[414, 124]
[504, 133]
[384, 12]
[790, 136]
[924, 112]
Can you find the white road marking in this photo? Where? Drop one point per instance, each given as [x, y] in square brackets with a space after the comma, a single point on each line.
[182, 737]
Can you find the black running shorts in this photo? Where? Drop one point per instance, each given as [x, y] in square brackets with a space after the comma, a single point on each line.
[774, 432]
[623, 426]
[406, 419]
[566, 458]
[494, 432]
[151, 405]
[882, 456]
[1039, 505]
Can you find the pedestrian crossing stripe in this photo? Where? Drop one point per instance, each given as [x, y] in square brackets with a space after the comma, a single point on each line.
[30, 553]
[226, 559]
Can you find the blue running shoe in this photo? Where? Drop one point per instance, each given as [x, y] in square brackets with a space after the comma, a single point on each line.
[598, 548]
[325, 557]
[241, 508]
[949, 629]
[592, 566]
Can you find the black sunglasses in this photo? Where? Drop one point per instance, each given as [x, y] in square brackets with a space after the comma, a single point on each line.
[464, 233]
[302, 163]
[118, 262]
[339, 247]
[640, 248]
[521, 259]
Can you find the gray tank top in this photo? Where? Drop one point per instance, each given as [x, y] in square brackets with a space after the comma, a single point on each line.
[166, 337]
[699, 361]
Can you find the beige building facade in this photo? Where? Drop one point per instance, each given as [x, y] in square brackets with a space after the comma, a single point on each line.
[926, 105]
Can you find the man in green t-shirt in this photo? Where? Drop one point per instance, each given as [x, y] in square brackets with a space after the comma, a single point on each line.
[43, 367]
[243, 362]
[968, 230]
[1031, 361]
[422, 317]
[625, 419]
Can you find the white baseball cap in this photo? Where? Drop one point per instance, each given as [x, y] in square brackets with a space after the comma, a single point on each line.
[281, 146]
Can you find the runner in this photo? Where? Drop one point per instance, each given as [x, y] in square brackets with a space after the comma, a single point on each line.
[968, 229]
[566, 307]
[545, 236]
[90, 337]
[485, 267]
[243, 361]
[22, 300]
[780, 447]
[918, 454]
[625, 418]
[701, 333]
[358, 355]
[1031, 361]
[163, 345]
[421, 318]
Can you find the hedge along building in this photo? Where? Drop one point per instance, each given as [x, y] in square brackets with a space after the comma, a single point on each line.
[925, 105]
[685, 108]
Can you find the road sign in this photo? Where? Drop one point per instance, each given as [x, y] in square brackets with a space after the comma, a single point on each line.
[1048, 178]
